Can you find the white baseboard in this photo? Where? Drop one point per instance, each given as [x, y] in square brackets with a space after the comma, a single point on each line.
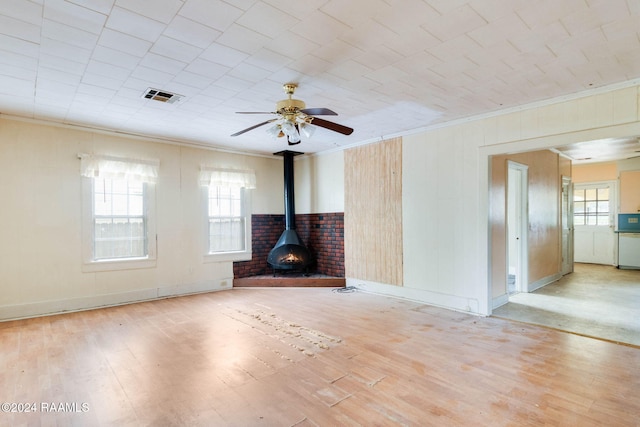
[503, 299]
[451, 302]
[194, 288]
[499, 301]
[45, 308]
[544, 282]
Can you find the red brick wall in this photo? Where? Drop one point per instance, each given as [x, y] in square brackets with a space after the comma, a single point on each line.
[323, 234]
[265, 232]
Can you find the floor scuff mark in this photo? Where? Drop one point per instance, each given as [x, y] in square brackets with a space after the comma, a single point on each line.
[301, 338]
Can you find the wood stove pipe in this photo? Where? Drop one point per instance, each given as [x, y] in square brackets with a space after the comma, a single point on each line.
[289, 195]
[289, 251]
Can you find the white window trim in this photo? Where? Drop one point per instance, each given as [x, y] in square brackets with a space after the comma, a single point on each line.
[244, 255]
[614, 198]
[88, 263]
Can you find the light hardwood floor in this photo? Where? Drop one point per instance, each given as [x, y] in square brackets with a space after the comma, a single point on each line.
[310, 357]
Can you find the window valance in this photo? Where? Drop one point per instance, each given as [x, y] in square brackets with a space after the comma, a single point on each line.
[110, 167]
[212, 176]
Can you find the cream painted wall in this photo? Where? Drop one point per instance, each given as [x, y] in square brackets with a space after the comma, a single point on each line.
[630, 192]
[446, 189]
[629, 170]
[626, 172]
[445, 205]
[440, 230]
[608, 114]
[40, 224]
[319, 183]
[592, 172]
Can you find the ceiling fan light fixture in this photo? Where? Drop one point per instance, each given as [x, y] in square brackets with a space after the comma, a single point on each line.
[294, 119]
[294, 139]
[306, 129]
[274, 131]
[289, 129]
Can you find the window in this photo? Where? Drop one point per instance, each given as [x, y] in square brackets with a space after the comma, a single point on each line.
[118, 217]
[228, 219]
[591, 206]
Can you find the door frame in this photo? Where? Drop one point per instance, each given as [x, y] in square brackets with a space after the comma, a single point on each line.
[567, 215]
[614, 198]
[522, 204]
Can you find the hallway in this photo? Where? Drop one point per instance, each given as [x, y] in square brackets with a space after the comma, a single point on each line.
[595, 300]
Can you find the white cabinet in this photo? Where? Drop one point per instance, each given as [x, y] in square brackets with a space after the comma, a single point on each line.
[629, 250]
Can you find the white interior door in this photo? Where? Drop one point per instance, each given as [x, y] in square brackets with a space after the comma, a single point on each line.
[517, 226]
[567, 225]
[594, 206]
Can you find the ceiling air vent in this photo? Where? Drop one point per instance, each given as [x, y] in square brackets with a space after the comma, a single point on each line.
[161, 95]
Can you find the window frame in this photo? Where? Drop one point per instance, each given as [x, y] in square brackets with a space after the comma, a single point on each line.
[242, 255]
[610, 214]
[89, 263]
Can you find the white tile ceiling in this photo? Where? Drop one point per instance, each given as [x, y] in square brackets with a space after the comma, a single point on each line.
[386, 66]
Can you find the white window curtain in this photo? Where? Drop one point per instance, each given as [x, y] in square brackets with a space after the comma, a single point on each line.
[110, 167]
[210, 176]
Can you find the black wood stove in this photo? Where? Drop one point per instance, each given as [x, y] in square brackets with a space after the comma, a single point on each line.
[289, 253]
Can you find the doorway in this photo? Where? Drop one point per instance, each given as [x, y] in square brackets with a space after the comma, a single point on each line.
[594, 219]
[517, 227]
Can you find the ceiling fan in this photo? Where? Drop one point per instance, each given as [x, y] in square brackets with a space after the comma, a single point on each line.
[293, 119]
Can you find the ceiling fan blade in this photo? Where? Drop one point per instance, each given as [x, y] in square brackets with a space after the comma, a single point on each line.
[331, 126]
[319, 112]
[255, 112]
[253, 127]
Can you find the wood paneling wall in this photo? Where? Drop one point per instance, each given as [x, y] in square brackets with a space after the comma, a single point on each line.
[373, 212]
[545, 255]
[498, 225]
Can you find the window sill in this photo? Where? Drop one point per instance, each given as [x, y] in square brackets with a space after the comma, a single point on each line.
[118, 264]
[227, 256]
